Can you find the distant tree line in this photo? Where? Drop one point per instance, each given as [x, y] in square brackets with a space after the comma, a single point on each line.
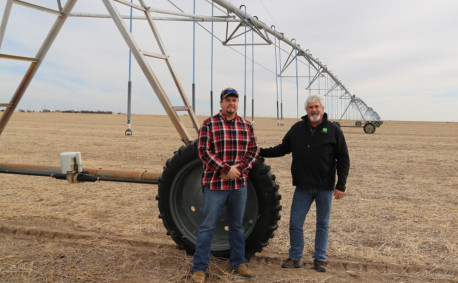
[68, 111]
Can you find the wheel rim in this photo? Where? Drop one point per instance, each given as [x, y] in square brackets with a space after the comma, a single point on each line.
[370, 128]
[186, 207]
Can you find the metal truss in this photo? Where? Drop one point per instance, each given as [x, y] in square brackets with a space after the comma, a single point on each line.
[321, 71]
[317, 71]
[139, 54]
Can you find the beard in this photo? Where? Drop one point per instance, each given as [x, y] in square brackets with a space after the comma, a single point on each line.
[315, 117]
[231, 110]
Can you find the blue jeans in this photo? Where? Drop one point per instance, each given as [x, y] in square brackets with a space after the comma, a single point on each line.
[302, 200]
[213, 202]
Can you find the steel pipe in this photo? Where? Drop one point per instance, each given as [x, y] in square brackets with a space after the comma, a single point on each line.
[259, 24]
[87, 175]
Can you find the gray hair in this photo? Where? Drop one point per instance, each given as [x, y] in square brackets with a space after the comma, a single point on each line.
[312, 98]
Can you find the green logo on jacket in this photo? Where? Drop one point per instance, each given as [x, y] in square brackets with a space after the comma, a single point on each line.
[325, 130]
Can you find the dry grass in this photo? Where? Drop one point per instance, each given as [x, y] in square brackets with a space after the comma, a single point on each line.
[397, 222]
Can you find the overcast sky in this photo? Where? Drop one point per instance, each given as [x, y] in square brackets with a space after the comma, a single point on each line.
[399, 56]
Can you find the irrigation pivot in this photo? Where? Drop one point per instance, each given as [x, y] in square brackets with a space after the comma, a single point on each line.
[179, 187]
[180, 193]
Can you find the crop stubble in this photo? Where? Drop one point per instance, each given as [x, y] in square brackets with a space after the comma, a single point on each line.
[396, 223]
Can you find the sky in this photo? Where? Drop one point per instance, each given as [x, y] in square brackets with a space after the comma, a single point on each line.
[399, 56]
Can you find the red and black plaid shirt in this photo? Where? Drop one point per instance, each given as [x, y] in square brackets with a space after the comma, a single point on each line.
[223, 143]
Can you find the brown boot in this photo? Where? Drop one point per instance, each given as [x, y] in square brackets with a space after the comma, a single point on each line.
[244, 271]
[198, 277]
[291, 263]
[319, 266]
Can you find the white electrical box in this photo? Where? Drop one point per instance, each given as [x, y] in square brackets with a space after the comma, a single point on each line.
[71, 162]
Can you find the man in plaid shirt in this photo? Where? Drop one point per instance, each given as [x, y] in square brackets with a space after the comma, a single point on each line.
[228, 148]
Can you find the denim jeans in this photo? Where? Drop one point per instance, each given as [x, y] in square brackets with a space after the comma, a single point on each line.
[213, 202]
[302, 200]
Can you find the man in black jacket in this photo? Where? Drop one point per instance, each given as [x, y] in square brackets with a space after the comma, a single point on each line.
[319, 150]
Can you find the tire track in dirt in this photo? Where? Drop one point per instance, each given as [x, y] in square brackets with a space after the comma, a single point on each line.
[37, 250]
[358, 268]
[34, 232]
[174, 265]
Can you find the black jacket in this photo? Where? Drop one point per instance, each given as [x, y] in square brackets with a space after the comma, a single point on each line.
[315, 157]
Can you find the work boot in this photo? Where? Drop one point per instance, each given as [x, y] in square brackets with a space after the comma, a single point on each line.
[244, 271]
[291, 263]
[319, 266]
[198, 277]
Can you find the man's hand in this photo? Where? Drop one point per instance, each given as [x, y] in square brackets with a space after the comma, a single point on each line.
[233, 173]
[338, 194]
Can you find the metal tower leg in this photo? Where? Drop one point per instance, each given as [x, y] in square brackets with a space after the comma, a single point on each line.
[140, 57]
[36, 62]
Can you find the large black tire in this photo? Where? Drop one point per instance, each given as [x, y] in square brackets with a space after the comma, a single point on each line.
[369, 128]
[180, 205]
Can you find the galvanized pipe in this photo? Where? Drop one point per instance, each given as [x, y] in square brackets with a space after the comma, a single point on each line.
[241, 14]
[187, 16]
[33, 68]
[6, 15]
[87, 175]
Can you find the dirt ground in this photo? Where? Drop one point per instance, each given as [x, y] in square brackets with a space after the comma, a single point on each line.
[397, 223]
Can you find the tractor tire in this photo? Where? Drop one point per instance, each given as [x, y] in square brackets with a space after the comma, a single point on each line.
[180, 205]
[369, 128]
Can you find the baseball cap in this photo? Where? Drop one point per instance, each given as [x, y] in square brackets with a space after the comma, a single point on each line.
[229, 92]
